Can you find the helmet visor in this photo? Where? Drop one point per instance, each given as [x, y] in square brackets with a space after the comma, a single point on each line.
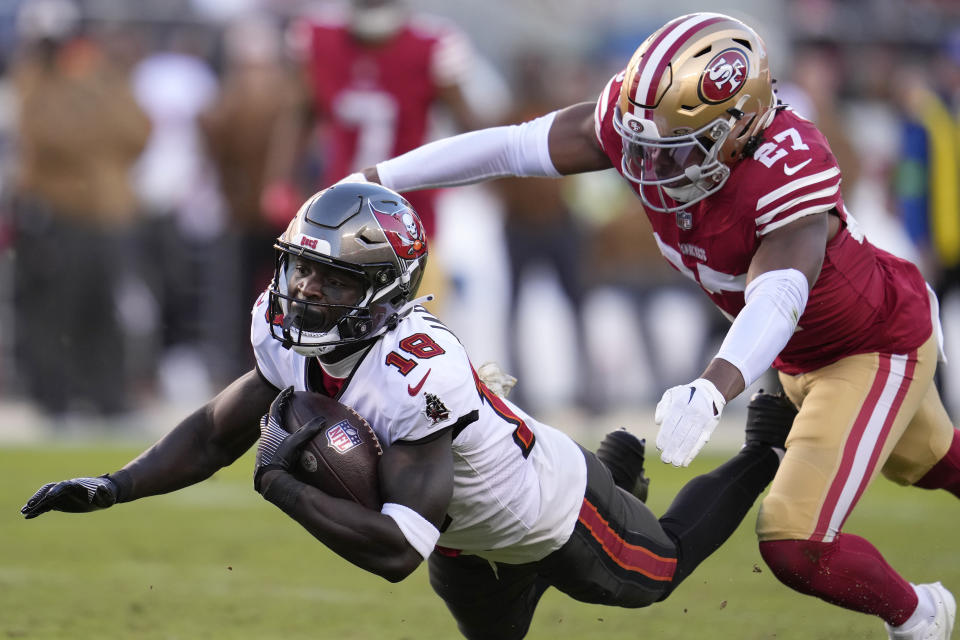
[666, 163]
[672, 160]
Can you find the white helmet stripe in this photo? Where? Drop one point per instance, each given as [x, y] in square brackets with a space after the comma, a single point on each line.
[662, 50]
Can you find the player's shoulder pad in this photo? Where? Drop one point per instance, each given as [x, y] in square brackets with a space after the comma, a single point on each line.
[427, 379]
[606, 107]
[280, 367]
[791, 174]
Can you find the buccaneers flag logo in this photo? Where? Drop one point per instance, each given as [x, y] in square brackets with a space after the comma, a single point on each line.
[405, 233]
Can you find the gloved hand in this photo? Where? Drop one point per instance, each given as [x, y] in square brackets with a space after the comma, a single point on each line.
[687, 416]
[78, 495]
[278, 449]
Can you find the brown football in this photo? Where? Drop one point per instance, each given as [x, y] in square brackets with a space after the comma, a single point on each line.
[343, 458]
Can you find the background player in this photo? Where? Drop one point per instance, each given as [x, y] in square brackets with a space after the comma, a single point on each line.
[501, 505]
[392, 67]
[744, 198]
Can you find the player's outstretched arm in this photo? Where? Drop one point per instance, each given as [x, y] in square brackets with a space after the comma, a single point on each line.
[211, 438]
[416, 483]
[779, 280]
[559, 143]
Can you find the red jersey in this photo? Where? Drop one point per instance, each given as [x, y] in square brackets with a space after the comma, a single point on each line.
[864, 300]
[375, 100]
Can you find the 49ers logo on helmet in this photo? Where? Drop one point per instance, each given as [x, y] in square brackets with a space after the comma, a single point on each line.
[723, 76]
[405, 233]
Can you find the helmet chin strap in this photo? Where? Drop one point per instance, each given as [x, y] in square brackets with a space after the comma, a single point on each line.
[338, 361]
[407, 308]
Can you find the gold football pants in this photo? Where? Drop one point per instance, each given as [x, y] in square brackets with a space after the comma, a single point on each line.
[859, 416]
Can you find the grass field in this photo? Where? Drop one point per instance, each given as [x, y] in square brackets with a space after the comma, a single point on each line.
[216, 561]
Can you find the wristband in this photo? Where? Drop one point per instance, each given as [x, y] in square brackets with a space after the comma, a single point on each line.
[418, 531]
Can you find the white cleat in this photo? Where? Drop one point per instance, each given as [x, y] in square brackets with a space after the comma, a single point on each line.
[939, 626]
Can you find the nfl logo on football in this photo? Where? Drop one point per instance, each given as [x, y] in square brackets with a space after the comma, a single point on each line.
[342, 437]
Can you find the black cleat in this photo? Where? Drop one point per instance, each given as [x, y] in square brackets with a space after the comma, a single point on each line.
[769, 418]
[622, 453]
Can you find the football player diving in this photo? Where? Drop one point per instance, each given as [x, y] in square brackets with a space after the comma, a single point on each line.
[499, 505]
[744, 199]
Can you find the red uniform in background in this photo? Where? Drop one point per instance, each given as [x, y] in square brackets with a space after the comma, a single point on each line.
[373, 100]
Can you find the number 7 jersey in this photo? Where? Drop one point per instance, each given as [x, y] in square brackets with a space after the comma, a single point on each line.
[518, 484]
[864, 300]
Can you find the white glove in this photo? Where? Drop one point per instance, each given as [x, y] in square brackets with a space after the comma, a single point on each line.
[687, 416]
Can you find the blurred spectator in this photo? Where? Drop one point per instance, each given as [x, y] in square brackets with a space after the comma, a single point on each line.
[256, 89]
[928, 176]
[190, 269]
[813, 90]
[79, 132]
[541, 230]
[391, 67]
[621, 256]
[371, 71]
[927, 191]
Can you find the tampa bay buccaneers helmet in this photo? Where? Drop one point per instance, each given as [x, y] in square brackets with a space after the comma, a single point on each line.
[358, 233]
[694, 94]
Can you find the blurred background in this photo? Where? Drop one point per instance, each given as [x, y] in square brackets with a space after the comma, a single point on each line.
[150, 152]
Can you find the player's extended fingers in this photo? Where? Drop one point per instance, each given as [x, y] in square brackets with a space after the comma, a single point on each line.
[37, 497]
[688, 442]
[300, 437]
[684, 434]
[695, 449]
[666, 433]
[42, 500]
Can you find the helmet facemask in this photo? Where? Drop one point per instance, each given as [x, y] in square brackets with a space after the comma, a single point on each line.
[686, 167]
[693, 97]
[339, 277]
[339, 315]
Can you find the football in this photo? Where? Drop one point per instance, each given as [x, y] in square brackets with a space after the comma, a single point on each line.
[342, 460]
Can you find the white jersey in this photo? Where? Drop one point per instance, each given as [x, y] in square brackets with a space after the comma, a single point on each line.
[518, 484]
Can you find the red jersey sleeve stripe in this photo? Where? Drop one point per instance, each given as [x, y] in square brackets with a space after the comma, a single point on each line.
[796, 185]
[795, 216]
[829, 192]
[603, 104]
[629, 556]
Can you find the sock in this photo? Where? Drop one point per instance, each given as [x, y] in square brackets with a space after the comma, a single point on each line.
[946, 473]
[848, 572]
[926, 610]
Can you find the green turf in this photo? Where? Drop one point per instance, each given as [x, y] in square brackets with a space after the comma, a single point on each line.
[216, 561]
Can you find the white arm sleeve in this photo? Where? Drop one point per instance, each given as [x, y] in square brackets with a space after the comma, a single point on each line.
[516, 150]
[775, 300]
[418, 531]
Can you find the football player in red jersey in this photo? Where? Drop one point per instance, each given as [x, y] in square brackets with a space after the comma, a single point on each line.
[371, 74]
[744, 199]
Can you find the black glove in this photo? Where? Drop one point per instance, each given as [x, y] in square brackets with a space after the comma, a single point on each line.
[278, 449]
[78, 495]
[769, 418]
